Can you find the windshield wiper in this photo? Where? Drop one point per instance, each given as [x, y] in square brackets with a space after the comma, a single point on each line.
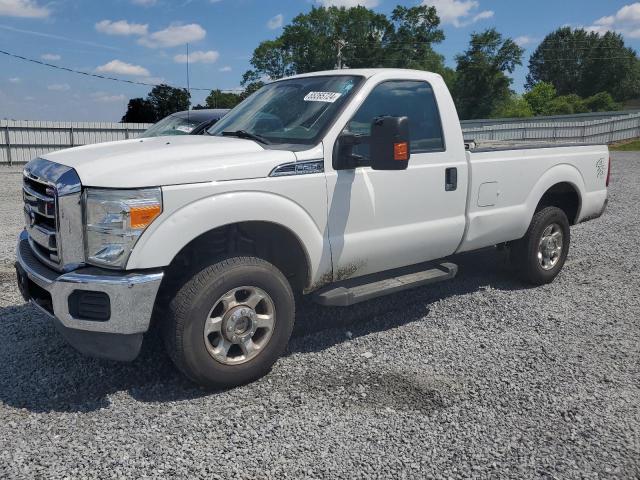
[247, 135]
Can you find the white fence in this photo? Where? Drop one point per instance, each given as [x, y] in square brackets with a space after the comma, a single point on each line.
[605, 130]
[20, 141]
[576, 117]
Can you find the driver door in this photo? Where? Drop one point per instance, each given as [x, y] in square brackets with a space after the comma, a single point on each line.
[380, 220]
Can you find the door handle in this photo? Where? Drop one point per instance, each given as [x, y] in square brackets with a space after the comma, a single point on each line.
[450, 179]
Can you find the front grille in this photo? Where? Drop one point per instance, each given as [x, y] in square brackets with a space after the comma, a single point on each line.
[40, 211]
[53, 214]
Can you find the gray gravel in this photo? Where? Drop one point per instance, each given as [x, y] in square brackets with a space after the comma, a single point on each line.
[11, 216]
[480, 377]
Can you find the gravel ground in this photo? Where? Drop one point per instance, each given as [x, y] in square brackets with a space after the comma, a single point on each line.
[479, 377]
[11, 216]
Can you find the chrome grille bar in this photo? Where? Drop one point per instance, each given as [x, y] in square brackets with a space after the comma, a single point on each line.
[40, 204]
[53, 215]
[43, 236]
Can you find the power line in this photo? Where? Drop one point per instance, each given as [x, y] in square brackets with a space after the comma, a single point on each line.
[103, 77]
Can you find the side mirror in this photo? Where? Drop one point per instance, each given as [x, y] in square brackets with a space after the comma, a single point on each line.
[390, 146]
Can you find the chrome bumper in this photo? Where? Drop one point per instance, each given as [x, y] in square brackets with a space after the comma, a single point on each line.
[131, 298]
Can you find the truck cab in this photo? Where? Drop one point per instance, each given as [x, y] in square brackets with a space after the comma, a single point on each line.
[344, 185]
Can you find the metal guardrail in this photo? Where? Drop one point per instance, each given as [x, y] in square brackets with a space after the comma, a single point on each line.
[601, 131]
[20, 141]
[577, 117]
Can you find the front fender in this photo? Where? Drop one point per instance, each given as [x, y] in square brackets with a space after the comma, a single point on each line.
[175, 228]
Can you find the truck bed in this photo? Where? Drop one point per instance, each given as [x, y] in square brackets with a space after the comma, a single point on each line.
[508, 179]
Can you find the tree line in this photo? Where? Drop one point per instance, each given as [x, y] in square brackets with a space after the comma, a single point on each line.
[571, 70]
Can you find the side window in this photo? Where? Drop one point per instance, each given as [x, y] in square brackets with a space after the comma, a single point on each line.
[401, 98]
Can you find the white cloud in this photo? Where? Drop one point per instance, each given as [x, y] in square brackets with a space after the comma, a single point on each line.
[144, 3]
[103, 97]
[23, 8]
[275, 22]
[15, 80]
[349, 3]
[459, 13]
[198, 56]
[59, 87]
[121, 27]
[483, 15]
[122, 68]
[226, 68]
[524, 40]
[625, 21]
[50, 56]
[174, 35]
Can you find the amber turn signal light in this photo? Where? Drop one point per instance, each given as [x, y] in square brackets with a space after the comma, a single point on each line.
[142, 215]
[401, 151]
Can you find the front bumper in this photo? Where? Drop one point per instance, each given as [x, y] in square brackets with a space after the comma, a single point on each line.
[117, 335]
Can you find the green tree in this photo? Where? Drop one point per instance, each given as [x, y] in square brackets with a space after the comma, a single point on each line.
[560, 106]
[539, 97]
[584, 63]
[513, 107]
[167, 100]
[139, 110]
[577, 103]
[220, 99]
[271, 59]
[601, 102]
[481, 83]
[252, 82]
[414, 32]
[326, 38]
[543, 99]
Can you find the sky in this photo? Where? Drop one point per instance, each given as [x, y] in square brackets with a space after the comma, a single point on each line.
[146, 41]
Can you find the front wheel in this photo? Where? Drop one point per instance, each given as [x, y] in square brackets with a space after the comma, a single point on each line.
[230, 322]
[541, 253]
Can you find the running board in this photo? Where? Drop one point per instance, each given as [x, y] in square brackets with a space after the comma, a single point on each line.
[356, 290]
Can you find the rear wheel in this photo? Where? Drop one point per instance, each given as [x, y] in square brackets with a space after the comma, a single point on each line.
[230, 322]
[540, 254]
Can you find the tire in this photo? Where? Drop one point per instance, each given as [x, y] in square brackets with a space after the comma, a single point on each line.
[533, 261]
[205, 300]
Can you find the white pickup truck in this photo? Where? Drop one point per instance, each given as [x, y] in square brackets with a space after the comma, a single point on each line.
[345, 185]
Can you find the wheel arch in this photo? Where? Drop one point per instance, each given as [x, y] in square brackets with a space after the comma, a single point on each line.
[566, 197]
[266, 240]
[561, 187]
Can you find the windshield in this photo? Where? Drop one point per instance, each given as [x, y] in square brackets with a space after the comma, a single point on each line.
[295, 111]
[171, 125]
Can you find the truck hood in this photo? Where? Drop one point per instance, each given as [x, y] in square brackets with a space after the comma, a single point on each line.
[158, 161]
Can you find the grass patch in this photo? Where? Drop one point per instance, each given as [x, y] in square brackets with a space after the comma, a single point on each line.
[631, 146]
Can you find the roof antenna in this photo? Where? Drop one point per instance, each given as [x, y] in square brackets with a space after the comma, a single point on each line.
[188, 87]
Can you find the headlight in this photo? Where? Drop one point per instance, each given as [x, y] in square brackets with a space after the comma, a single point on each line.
[114, 220]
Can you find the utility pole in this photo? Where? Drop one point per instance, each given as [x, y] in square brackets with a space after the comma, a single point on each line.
[340, 44]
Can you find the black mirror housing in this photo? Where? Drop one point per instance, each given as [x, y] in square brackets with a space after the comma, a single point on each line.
[390, 145]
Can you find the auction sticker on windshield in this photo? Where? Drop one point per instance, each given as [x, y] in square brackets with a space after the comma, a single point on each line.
[328, 97]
